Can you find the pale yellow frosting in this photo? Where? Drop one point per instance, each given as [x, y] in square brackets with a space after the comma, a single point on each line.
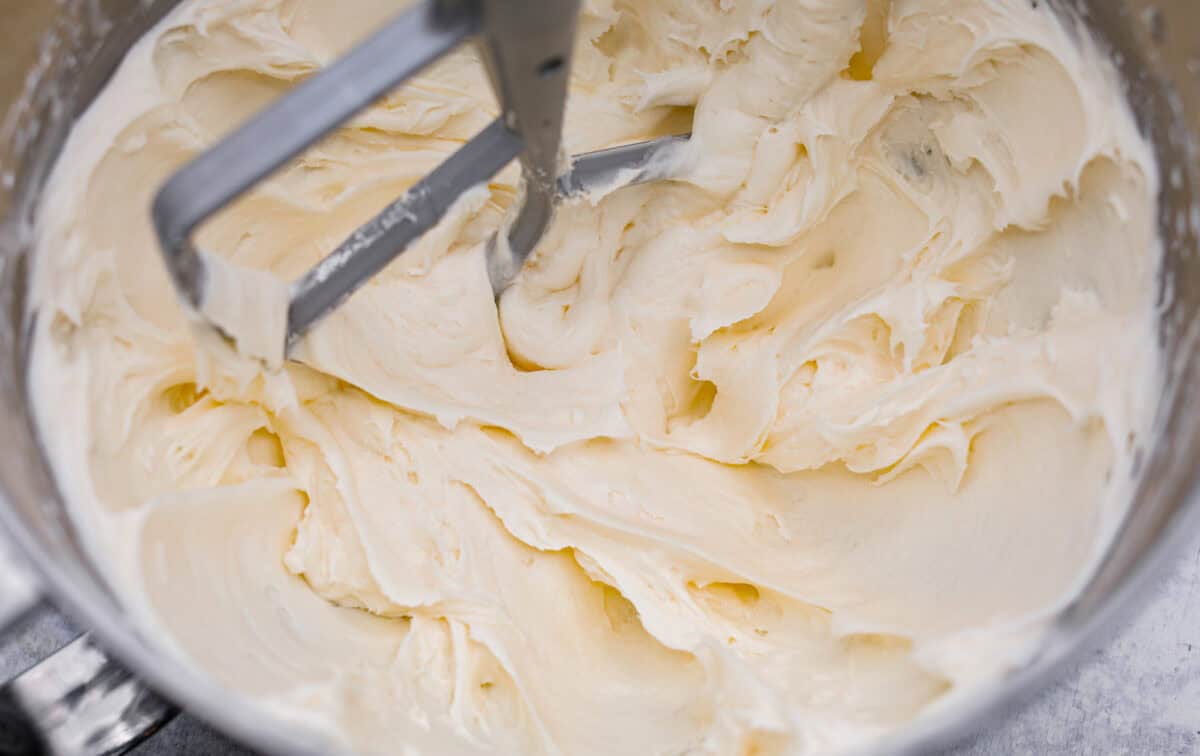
[778, 455]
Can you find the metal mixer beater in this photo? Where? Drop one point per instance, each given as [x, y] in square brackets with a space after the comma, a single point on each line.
[526, 46]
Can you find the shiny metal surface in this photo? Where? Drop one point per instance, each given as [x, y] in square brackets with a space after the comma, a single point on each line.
[386, 236]
[80, 703]
[1157, 48]
[415, 39]
[527, 49]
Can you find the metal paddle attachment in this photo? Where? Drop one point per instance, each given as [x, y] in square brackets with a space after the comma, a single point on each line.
[527, 49]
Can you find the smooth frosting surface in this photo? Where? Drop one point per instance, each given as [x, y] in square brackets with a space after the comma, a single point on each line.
[774, 457]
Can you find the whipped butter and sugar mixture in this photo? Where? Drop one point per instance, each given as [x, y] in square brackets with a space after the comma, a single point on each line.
[774, 457]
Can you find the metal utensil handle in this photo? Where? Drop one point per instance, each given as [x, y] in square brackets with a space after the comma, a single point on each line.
[295, 122]
[527, 49]
[74, 702]
[626, 165]
[299, 119]
[383, 238]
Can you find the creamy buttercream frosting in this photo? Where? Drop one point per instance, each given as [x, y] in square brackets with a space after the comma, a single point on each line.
[775, 456]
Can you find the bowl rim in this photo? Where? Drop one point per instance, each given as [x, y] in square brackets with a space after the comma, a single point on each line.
[1068, 635]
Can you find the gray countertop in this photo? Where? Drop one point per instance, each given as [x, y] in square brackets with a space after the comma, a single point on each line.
[1139, 693]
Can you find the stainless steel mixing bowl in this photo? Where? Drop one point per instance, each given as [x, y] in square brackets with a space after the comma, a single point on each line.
[1156, 45]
